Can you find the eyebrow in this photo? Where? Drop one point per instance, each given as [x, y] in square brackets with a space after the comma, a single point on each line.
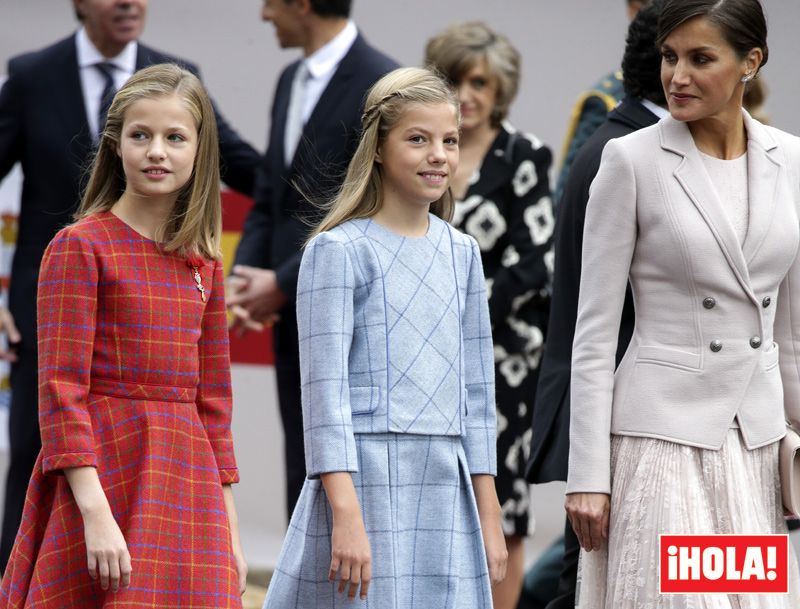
[702, 49]
[426, 132]
[145, 126]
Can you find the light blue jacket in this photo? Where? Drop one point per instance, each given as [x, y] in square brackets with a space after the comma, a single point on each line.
[394, 337]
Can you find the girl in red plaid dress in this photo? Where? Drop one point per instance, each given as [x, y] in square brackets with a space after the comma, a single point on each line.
[130, 502]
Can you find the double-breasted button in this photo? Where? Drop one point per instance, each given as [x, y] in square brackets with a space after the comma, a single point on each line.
[755, 342]
[709, 303]
[766, 302]
[716, 345]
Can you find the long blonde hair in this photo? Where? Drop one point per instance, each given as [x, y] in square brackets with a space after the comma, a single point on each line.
[195, 225]
[361, 194]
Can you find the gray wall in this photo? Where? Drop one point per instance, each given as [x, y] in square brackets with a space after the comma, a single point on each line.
[566, 45]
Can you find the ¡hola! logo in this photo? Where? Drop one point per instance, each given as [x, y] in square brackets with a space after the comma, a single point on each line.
[729, 564]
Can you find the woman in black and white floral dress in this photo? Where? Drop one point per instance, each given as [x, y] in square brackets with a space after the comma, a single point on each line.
[503, 201]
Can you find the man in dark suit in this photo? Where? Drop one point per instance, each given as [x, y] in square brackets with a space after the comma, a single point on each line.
[51, 111]
[643, 106]
[316, 118]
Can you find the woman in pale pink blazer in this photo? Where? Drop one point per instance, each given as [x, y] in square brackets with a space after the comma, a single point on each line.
[700, 213]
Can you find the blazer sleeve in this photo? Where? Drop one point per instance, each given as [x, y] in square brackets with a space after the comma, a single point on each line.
[480, 440]
[67, 306]
[239, 161]
[254, 246]
[325, 328]
[214, 397]
[12, 106]
[787, 315]
[608, 245]
[530, 230]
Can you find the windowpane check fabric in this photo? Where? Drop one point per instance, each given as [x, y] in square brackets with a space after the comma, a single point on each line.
[134, 379]
[397, 387]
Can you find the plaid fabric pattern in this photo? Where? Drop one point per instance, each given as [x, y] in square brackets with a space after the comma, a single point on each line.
[394, 337]
[397, 377]
[422, 523]
[135, 381]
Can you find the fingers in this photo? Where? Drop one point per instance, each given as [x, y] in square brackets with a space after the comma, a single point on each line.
[242, 322]
[351, 576]
[104, 572]
[366, 578]
[7, 323]
[125, 570]
[113, 570]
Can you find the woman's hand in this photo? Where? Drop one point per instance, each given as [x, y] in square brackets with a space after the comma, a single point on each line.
[588, 513]
[491, 526]
[106, 550]
[351, 556]
[236, 544]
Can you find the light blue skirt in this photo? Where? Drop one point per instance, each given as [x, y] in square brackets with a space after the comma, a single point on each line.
[422, 522]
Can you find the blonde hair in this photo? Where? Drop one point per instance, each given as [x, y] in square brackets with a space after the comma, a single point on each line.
[462, 46]
[361, 194]
[195, 225]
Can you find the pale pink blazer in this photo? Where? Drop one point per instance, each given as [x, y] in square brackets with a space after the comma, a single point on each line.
[711, 315]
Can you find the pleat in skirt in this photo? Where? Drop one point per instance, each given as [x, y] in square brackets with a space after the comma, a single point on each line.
[421, 518]
[664, 487]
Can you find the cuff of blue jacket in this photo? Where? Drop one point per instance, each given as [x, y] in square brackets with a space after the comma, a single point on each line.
[330, 449]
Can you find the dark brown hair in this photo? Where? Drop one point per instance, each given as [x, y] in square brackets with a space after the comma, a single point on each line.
[741, 22]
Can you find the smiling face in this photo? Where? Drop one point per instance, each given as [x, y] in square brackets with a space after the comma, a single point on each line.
[702, 74]
[477, 94]
[157, 146]
[419, 155]
[111, 24]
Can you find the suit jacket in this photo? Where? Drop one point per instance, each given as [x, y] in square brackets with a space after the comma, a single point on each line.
[279, 221]
[43, 126]
[550, 435]
[394, 337]
[711, 314]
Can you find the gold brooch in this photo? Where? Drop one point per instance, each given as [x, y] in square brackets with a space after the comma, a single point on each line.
[198, 280]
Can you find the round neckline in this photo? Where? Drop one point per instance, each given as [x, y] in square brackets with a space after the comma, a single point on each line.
[717, 159]
[130, 228]
[396, 235]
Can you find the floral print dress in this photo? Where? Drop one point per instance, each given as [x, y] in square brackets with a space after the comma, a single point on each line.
[509, 212]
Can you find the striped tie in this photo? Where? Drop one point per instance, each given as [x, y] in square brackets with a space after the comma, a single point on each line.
[106, 70]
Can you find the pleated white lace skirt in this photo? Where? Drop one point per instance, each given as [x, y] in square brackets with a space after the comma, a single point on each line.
[664, 487]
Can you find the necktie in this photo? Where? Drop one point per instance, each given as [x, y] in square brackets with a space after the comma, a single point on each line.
[106, 70]
[294, 116]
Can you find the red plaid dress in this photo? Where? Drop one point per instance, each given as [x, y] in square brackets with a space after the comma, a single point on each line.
[134, 379]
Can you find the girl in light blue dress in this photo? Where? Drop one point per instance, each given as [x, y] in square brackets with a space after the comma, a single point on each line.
[399, 507]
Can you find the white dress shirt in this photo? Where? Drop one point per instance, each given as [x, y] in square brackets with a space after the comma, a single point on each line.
[92, 81]
[322, 64]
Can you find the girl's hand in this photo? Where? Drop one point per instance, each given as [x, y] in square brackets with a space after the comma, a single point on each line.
[491, 526]
[236, 544]
[106, 550]
[588, 513]
[351, 556]
[496, 553]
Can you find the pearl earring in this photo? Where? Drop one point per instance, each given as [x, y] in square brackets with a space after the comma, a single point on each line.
[747, 77]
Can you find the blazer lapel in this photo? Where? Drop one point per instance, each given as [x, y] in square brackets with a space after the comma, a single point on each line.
[66, 79]
[763, 169]
[694, 180]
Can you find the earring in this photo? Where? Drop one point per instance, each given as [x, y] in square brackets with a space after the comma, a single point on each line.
[747, 77]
